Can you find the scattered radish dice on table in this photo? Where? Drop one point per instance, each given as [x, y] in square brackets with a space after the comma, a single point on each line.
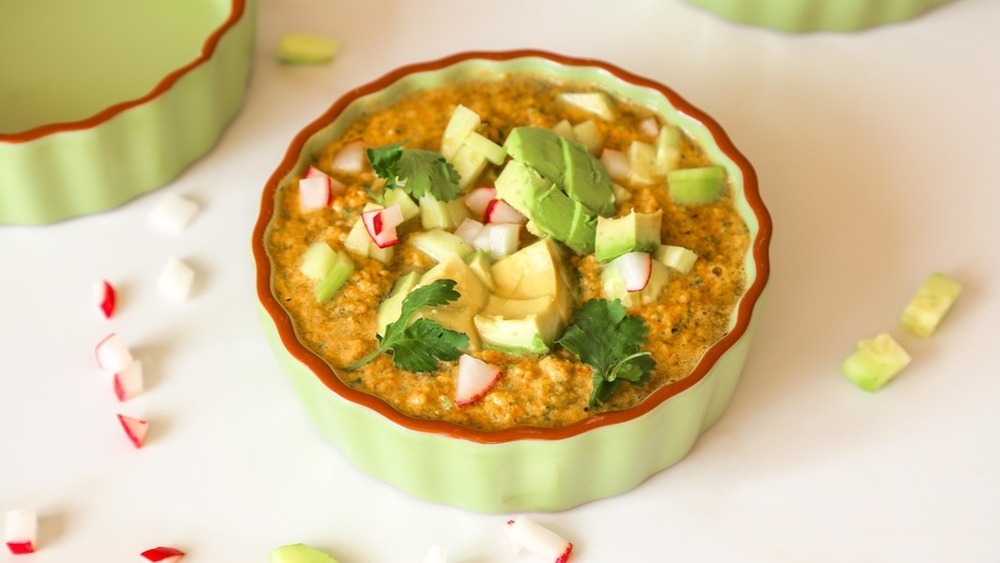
[163, 555]
[134, 428]
[176, 279]
[527, 534]
[173, 213]
[128, 381]
[104, 294]
[314, 193]
[112, 353]
[635, 268]
[475, 379]
[21, 531]
[469, 230]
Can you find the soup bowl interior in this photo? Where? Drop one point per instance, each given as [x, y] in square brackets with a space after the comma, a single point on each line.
[521, 468]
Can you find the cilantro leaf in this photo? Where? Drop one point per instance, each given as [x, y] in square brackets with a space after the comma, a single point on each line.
[608, 340]
[419, 346]
[417, 172]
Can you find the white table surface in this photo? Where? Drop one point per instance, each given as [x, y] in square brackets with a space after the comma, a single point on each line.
[877, 154]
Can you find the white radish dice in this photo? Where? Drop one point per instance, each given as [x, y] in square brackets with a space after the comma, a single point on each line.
[135, 429]
[527, 534]
[128, 381]
[113, 354]
[105, 297]
[21, 531]
[176, 280]
[173, 213]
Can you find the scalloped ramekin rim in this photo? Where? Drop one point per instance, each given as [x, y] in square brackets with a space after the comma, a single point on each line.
[286, 332]
[165, 84]
[808, 16]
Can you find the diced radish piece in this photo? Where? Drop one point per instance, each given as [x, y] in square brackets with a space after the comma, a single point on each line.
[104, 294]
[112, 353]
[128, 382]
[381, 225]
[499, 211]
[469, 230]
[479, 199]
[135, 429]
[21, 531]
[650, 127]
[173, 213]
[435, 555]
[475, 379]
[635, 268]
[336, 186]
[163, 555]
[314, 193]
[537, 539]
[504, 239]
[616, 164]
[928, 307]
[176, 280]
[350, 158]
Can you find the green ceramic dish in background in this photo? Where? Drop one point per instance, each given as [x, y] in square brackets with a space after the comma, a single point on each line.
[520, 469]
[103, 100]
[818, 15]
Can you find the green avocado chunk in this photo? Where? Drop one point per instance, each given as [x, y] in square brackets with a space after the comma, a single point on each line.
[635, 232]
[586, 180]
[300, 553]
[520, 326]
[539, 149]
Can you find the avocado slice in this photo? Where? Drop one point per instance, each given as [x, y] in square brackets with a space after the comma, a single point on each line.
[539, 149]
[631, 233]
[390, 307]
[586, 180]
[458, 314]
[536, 270]
[518, 185]
[520, 326]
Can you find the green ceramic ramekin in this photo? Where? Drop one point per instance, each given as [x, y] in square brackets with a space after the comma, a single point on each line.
[818, 15]
[103, 100]
[519, 469]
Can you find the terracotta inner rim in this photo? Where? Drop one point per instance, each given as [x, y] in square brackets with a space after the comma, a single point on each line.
[326, 374]
[238, 7]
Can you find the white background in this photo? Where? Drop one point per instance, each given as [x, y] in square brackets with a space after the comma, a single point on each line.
[877, 154]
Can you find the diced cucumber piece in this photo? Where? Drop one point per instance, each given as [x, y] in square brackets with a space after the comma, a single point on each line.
[668, 149]
[642, 160]
[677, 257]
[358, 241]
[334, 279]
[589, 135]
[383, 255]
[435, 214]
[929, 306]
[469, 163]
[405, 202]
[317, 260]
[621, 194]
[597, 103]
[875, 362]
[462, 122]
[697, 185]
[493, 152]
[303, 48]
[439, 244]
[564, 129]
[458, 212]
[300, 553]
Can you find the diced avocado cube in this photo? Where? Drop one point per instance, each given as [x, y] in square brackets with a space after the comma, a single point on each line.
[358, 240]
[520, 326]
[535, 270]
[635, 232]
[875, 362]
[390, 307]
[929, 306]
[435, 214]
[300, 553]
[480, 264]
[642, 161]
[697, 185]
[306, 49]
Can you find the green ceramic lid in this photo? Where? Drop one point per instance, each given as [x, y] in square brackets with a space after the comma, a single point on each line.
[103, 100]
[818, 15]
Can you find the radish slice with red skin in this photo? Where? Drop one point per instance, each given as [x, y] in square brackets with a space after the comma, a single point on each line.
[105, 295]
[503, 239]
[475, 379]
[336, 186]
[21, 531]
[128, 382]
[381, 225]
[163, 555]
[499, 211]
[314, 193]
[112, 353]
[479, 199]
[469, 230]
[535, 538]
[635, 268]
[616, 163]
[134, 428]
[350, 158]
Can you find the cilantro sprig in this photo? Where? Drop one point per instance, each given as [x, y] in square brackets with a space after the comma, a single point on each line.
[419, 346]
[608, 340]
[415, 171]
